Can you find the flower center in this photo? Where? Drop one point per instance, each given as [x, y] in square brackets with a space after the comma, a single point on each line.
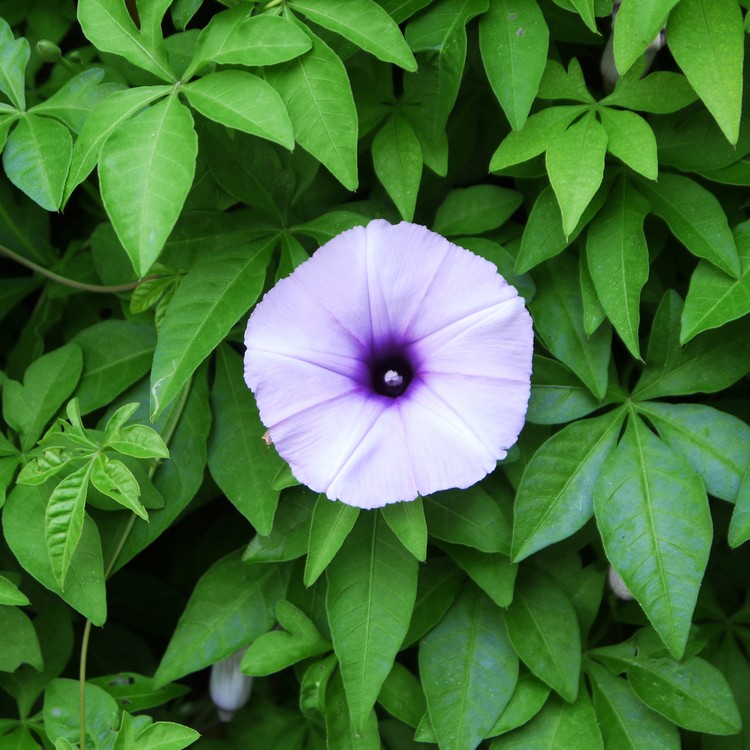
[391, 375]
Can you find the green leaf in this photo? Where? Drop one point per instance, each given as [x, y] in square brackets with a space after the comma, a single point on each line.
[439, 35]
[408, 523]
[475, 209]
[36, 159]
[113, 479]
[707, 364]
[557, 395]
[288, 539]
[274, 651]
[166, 735]
[558, 726]
[716, 445]
[556, 494]
[318, 97]
[528, 698]
[653, 516]
[690, 693]
[535, 136]
[468, 670]
[739, 528]
[237, 441]
[397, 158]
[470, 517]
[64, 520]
[74, 101]
[631, 139]
[341, 732]
[575, 164]
[543, 236]
[514, 39]
[636, 28]
[363, 22]
[439, 583]
[146, 168]
[139, 441]
[108, 26]
[242, 101]
[557, 83]
[707, 41]
[20, 642]
[372, 587]
[558, 314]
[62, 711]
[104, 119]
[618, 259]
[660, 92]
[331, 523]
[14, 55]
[24, 530]
[116, 353]
[714, 297]
[231, 605]
[293, 254]
[543, 628]
[235, 37]
[136, 692]
[47, 383]
[212, 297]
[624, 720]
[695, 217]
[10, 594]
[493, 572]
[402, 696]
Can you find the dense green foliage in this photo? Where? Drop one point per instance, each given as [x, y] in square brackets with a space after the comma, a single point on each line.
[164, 162]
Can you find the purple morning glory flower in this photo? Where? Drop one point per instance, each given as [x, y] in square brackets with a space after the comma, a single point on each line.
[392, 364]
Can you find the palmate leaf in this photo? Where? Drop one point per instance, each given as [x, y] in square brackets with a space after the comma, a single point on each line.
[468, 669]
[24, 530]
[14, 55]
[715, 297]
[108, 25]
[372, 587]
[695, 217]
[706, 38]
[64, 520]
[212, 297]
[318, 96]
[37, 157]
[330, 525]
[402, 696]
[114, 479]
[363, 22]
[636, 28]
[408, 523]
[231, 605]
[618, 259]
[475, 209]
[242, 101]
[146, 168]
[514, 39]
[575, 164]
[234, 37]
[237, 440]
[544, 630]
[631, 139]
[652, 513]
[556, 494]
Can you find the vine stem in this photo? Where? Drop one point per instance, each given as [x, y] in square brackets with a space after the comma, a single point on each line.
[98, 288]
[169, 431]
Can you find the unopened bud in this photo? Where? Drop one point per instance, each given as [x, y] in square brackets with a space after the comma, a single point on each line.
[619, 589]
[229, 688]
[48, 51]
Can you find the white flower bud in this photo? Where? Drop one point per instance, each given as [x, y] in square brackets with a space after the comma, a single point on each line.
[620, 590]
[229, 688]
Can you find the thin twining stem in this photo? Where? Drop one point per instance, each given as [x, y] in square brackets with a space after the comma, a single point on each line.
[98, 288]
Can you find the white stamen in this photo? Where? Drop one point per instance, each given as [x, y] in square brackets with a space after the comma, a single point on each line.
[393, 379]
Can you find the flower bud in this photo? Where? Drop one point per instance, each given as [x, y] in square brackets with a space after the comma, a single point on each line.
[619, 589]
[229, 688]
[48, 51]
